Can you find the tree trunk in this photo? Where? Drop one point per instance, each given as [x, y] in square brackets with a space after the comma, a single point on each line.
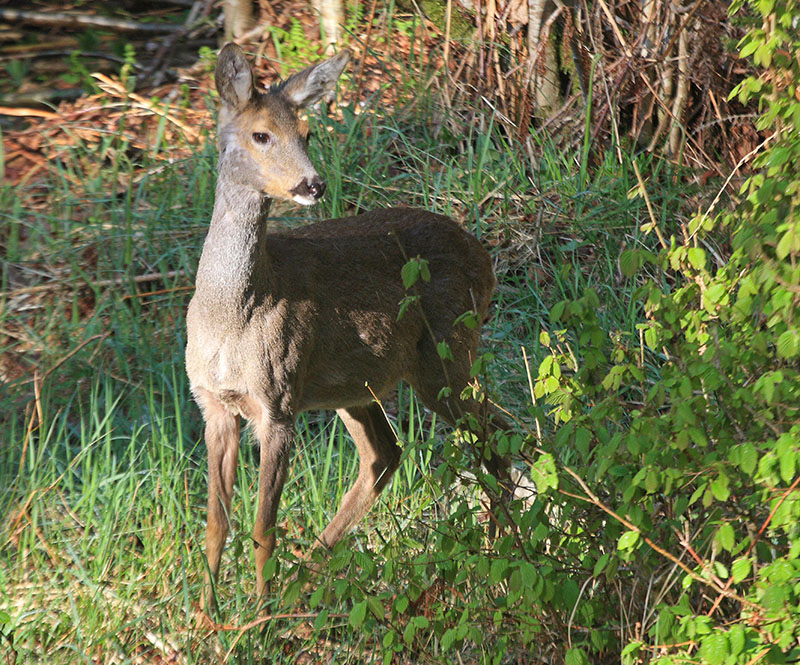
[542, 63]
[331, 17]
[238, 18]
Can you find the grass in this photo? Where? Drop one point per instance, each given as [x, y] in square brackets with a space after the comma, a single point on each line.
[102, 469]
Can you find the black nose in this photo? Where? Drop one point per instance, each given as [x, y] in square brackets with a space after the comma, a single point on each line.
[314, 188]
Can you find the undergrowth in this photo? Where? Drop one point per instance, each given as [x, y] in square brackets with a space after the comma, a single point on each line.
[647, 357]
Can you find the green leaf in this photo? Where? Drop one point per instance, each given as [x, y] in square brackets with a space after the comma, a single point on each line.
[558, 311]
[630, 261]
[576, 657]
[376, 607]
[543, 473]
[270, 568]
[697, 257]
[714, 295]
[651, 337]
[773, 598]
[405, 303]
[321, 621]
[787, 462]
[750, 47]
[627, 540]
[583, 439]
[358, 614]
[448, 639]
[749, 458]
[714, 648]
[421, 622]
[740, 569]
[651, 481]
[719, 487]
[787, 241]
[401, 604]
[468, 319]
[316, 597]
[498, 570]
[630, 654]
[443, 349]
[726, 536]
[600, 564]
[736, 639]
[788, 343]
[410, 273]
[424, 272]
[409, 632]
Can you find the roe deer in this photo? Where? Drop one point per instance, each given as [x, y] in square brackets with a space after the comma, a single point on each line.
[286, 321]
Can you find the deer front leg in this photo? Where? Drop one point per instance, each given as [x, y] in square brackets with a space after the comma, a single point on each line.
[275, 438]
[222, 441]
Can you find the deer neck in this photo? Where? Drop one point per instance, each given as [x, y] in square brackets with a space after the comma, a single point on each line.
[234, 273]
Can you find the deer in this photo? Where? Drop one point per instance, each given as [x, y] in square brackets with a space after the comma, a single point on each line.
[285, 321]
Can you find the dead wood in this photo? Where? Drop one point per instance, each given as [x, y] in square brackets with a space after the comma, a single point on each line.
[84, 21]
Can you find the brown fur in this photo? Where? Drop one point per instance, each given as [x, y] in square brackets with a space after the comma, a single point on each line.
[288, 321]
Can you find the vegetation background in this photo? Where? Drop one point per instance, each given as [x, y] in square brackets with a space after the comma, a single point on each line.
[635, 169]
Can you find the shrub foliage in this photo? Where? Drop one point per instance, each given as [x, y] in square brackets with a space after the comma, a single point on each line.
[685, 441]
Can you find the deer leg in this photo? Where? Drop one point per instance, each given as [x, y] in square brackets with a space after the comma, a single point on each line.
[379, 457]
[275, 438]
[484, 420]
[222, 441]
[482, 426]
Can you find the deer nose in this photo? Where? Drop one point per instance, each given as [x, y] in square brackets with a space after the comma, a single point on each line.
[313, 187]
[316, 188]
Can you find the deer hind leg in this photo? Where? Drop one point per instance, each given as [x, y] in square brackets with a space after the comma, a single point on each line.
[379, 458]
[438, 374]
[275, 437]
[222, 441]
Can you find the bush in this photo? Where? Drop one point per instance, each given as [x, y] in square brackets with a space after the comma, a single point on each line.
[685, 442]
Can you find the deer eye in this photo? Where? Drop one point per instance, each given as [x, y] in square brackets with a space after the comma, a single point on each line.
[261, 137]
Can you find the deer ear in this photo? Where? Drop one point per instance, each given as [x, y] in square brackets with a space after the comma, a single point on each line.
[234, 77]
[313, 83]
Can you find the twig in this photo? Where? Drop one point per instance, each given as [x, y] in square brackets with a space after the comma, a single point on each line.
[158, 292]
[36, 415]
[592, 498]
[681, 95]
[757, 537]
[199, 7]
[113, 87]
[116, 281]
[98, 55]
[84, 21]
[625, 48]
[100, 336]
[533, 396]
[649, 206]
[446, 53]
[682, 26]
[216, 627]
[365, 50]
[41, 491]
[733, 172]
[25, 113]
